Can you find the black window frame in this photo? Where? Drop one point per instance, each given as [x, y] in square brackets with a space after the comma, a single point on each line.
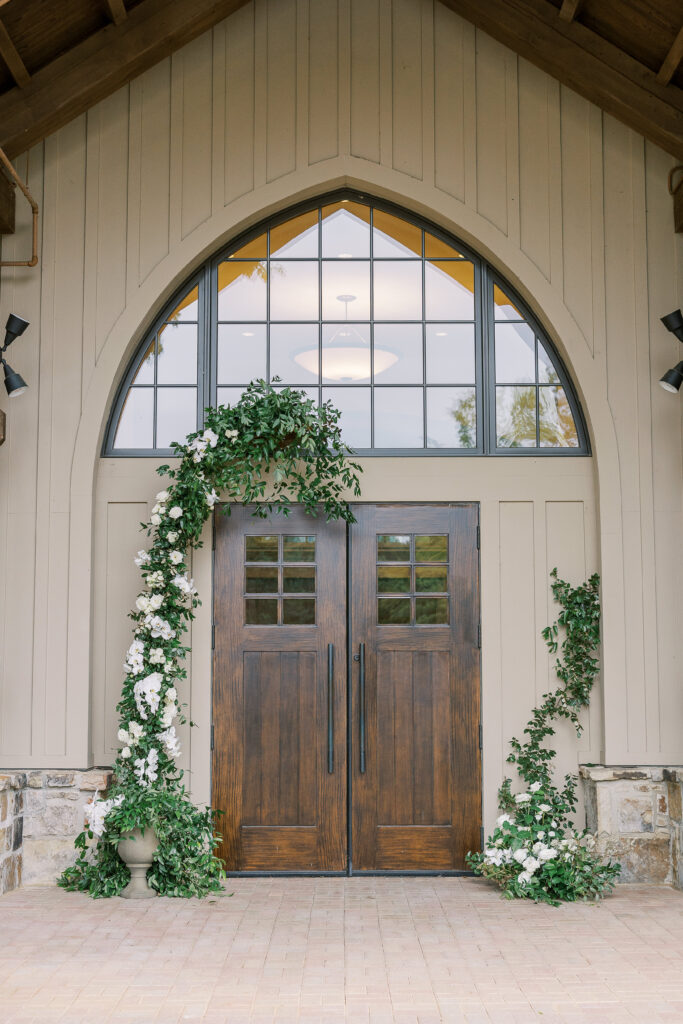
[485, 278]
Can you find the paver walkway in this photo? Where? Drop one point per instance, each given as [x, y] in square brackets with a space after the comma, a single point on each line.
[405, 950]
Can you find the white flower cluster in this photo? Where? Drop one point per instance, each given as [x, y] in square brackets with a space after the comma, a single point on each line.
[135, 658]
[146, 768]
[97, 810]
[185, 586]
[142, 558]
[158, 627]
[147, 693]
[170, 708]
[146, 604]
[170, 740]
[211, 498]
[200, 444]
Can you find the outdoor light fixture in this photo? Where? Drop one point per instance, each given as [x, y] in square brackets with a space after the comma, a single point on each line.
[14, 383]
[672, 379]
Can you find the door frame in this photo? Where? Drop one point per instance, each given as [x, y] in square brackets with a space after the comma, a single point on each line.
[350, 871]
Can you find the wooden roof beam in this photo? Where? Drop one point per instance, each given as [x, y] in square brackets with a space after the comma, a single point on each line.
[10, 55]
[569, 9]
[101, 64]
[585, 62]
[672, 60]
[117, 11]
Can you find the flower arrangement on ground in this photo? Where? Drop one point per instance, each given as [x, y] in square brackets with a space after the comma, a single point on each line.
[270, 449]
[535, 852]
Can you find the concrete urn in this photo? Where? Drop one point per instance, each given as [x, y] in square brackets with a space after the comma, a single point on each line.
[136, 849]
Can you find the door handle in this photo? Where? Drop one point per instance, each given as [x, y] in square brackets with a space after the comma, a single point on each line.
[330, 708]
[361, 701]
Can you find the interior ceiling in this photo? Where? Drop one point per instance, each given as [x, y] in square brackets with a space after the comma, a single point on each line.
[59, 58]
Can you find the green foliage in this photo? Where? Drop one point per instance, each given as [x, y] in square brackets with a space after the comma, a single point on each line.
[271, 449]
[535, 852]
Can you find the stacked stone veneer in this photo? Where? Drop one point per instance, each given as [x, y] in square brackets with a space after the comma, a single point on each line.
[636, 814]
[41, 813]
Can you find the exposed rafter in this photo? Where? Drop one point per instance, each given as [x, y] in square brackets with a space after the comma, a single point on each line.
[590, 65]
[101, 64]
[10, 55]
[672, 60]
[117, 11]
[569, 9]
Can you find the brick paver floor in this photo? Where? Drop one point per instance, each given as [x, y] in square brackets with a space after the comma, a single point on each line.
[323, 950]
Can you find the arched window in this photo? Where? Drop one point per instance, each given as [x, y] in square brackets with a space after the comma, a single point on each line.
[419, 343]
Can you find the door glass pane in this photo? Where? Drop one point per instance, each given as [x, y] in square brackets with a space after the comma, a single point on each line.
[346, 290]
[397, 290]
[241, 355]
[346, 353]
[431, 548]
[260, 611]
[294, 353]
[431, 611]
[242, 290]
[177, 354]
[393, 547]
[261, 549]
[297, 237]
[449, 290]
[431, 579]
[354, 405]
[547, 374]
[145, 371]
[136, 422]
[298, 611]
[260, 580]
[450, 353]
[399, 418]
[346, 230]
[515, 354]
[451, 418]
[503, 307]
[393, 611]
[392, 236]
[298, 549]
[393, 579]
[556, 423]
[516, 417]
[294, 291]
[398, 353]
[298, 579]
[176, 415]
[187, 308]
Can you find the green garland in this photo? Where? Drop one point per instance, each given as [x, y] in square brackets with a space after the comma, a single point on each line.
[271, 449]
[535, 852]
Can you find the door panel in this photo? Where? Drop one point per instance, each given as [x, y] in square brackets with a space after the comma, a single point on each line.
[415, 610]
[279, 713]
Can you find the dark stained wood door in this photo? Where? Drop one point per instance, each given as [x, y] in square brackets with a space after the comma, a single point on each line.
[279, 697]
[416, 796]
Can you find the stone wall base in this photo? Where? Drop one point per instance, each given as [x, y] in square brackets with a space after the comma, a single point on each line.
[636, 815]
[41, 813]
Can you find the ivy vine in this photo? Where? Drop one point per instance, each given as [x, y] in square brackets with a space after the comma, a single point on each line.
[535, 852]
[271, 449]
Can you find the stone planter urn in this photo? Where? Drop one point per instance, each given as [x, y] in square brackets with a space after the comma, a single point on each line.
[137, 850]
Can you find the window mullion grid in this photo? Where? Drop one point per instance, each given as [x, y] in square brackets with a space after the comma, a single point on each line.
[268, 306]
[372, 327]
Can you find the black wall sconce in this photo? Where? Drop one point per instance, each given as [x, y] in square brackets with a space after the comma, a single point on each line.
[672, 379]
[14, 383]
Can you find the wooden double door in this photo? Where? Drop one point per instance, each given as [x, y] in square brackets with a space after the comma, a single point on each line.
[346, 690]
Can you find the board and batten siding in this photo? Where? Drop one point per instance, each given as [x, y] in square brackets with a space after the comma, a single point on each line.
[285, 100]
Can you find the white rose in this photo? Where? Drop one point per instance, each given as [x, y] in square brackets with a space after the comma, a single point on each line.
[162, 496]
[522, 798]
[175, 557]
[520, 855]
[125, 753]
[122, 736]
[547, 855]
[155, 519]
[524, 878]
[142, 603]
[531, 864]
[176, 512]
[534, 787]
[231, 434]
[156, 601]
[171, 694]
[172, 537]
[142, 558]
[544, 807]
[541, 835]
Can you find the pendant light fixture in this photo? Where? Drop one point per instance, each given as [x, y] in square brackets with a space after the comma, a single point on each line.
[14, 384]
[346, 353]
[672, 379]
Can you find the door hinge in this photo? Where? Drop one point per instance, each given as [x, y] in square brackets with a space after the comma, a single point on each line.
[478, 538]
[481, 736]
[213, 637]
[212, 737]
[479, 635]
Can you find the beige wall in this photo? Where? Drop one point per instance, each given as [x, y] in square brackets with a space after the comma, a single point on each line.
[287, 99]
